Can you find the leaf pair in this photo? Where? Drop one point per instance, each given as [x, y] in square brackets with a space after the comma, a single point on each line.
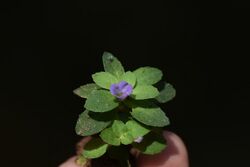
[139, 79]
[118, 133]
[123, 133]
[152, 143]
[151, 76]
[106, 79]
[167, 91]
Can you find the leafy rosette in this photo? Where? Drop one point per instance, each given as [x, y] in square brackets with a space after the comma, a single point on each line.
[121, 109]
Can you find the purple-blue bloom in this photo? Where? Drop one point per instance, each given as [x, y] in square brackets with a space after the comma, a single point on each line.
[121, 90]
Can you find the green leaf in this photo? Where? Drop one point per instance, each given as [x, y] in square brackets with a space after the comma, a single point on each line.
[94, 148]
[119, 128]
[104, 79]
[136, 129]
[101, 101]
[149, 114]
[126, 138]
[110, 137]
[90, 123]
[129, 77]
[121, 131]
[85, 90]
[148, 75]
[144, 92]
[151, 144]
[112, 65]
[118, 133]
[167, 92]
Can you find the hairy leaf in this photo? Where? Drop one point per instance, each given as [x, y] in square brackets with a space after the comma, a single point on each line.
[110, 137]
[85, 90]
[112, 65]
[148, 75]
[167, 92]
[90, 123]
[149, 114]
[101, 101]
[104, 79]
[129, 77]
[136, 129]
[142, 92]
[95, 148]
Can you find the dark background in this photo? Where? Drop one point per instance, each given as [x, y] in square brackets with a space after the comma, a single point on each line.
[52, 47]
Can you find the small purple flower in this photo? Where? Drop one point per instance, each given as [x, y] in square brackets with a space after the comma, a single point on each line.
[138, 140]
[121, 90]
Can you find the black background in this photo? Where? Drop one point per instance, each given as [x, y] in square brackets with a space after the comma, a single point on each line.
[52, 47]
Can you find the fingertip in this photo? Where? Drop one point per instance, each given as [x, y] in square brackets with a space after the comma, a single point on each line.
[81, 144]
[180, 159]
[71, 162]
